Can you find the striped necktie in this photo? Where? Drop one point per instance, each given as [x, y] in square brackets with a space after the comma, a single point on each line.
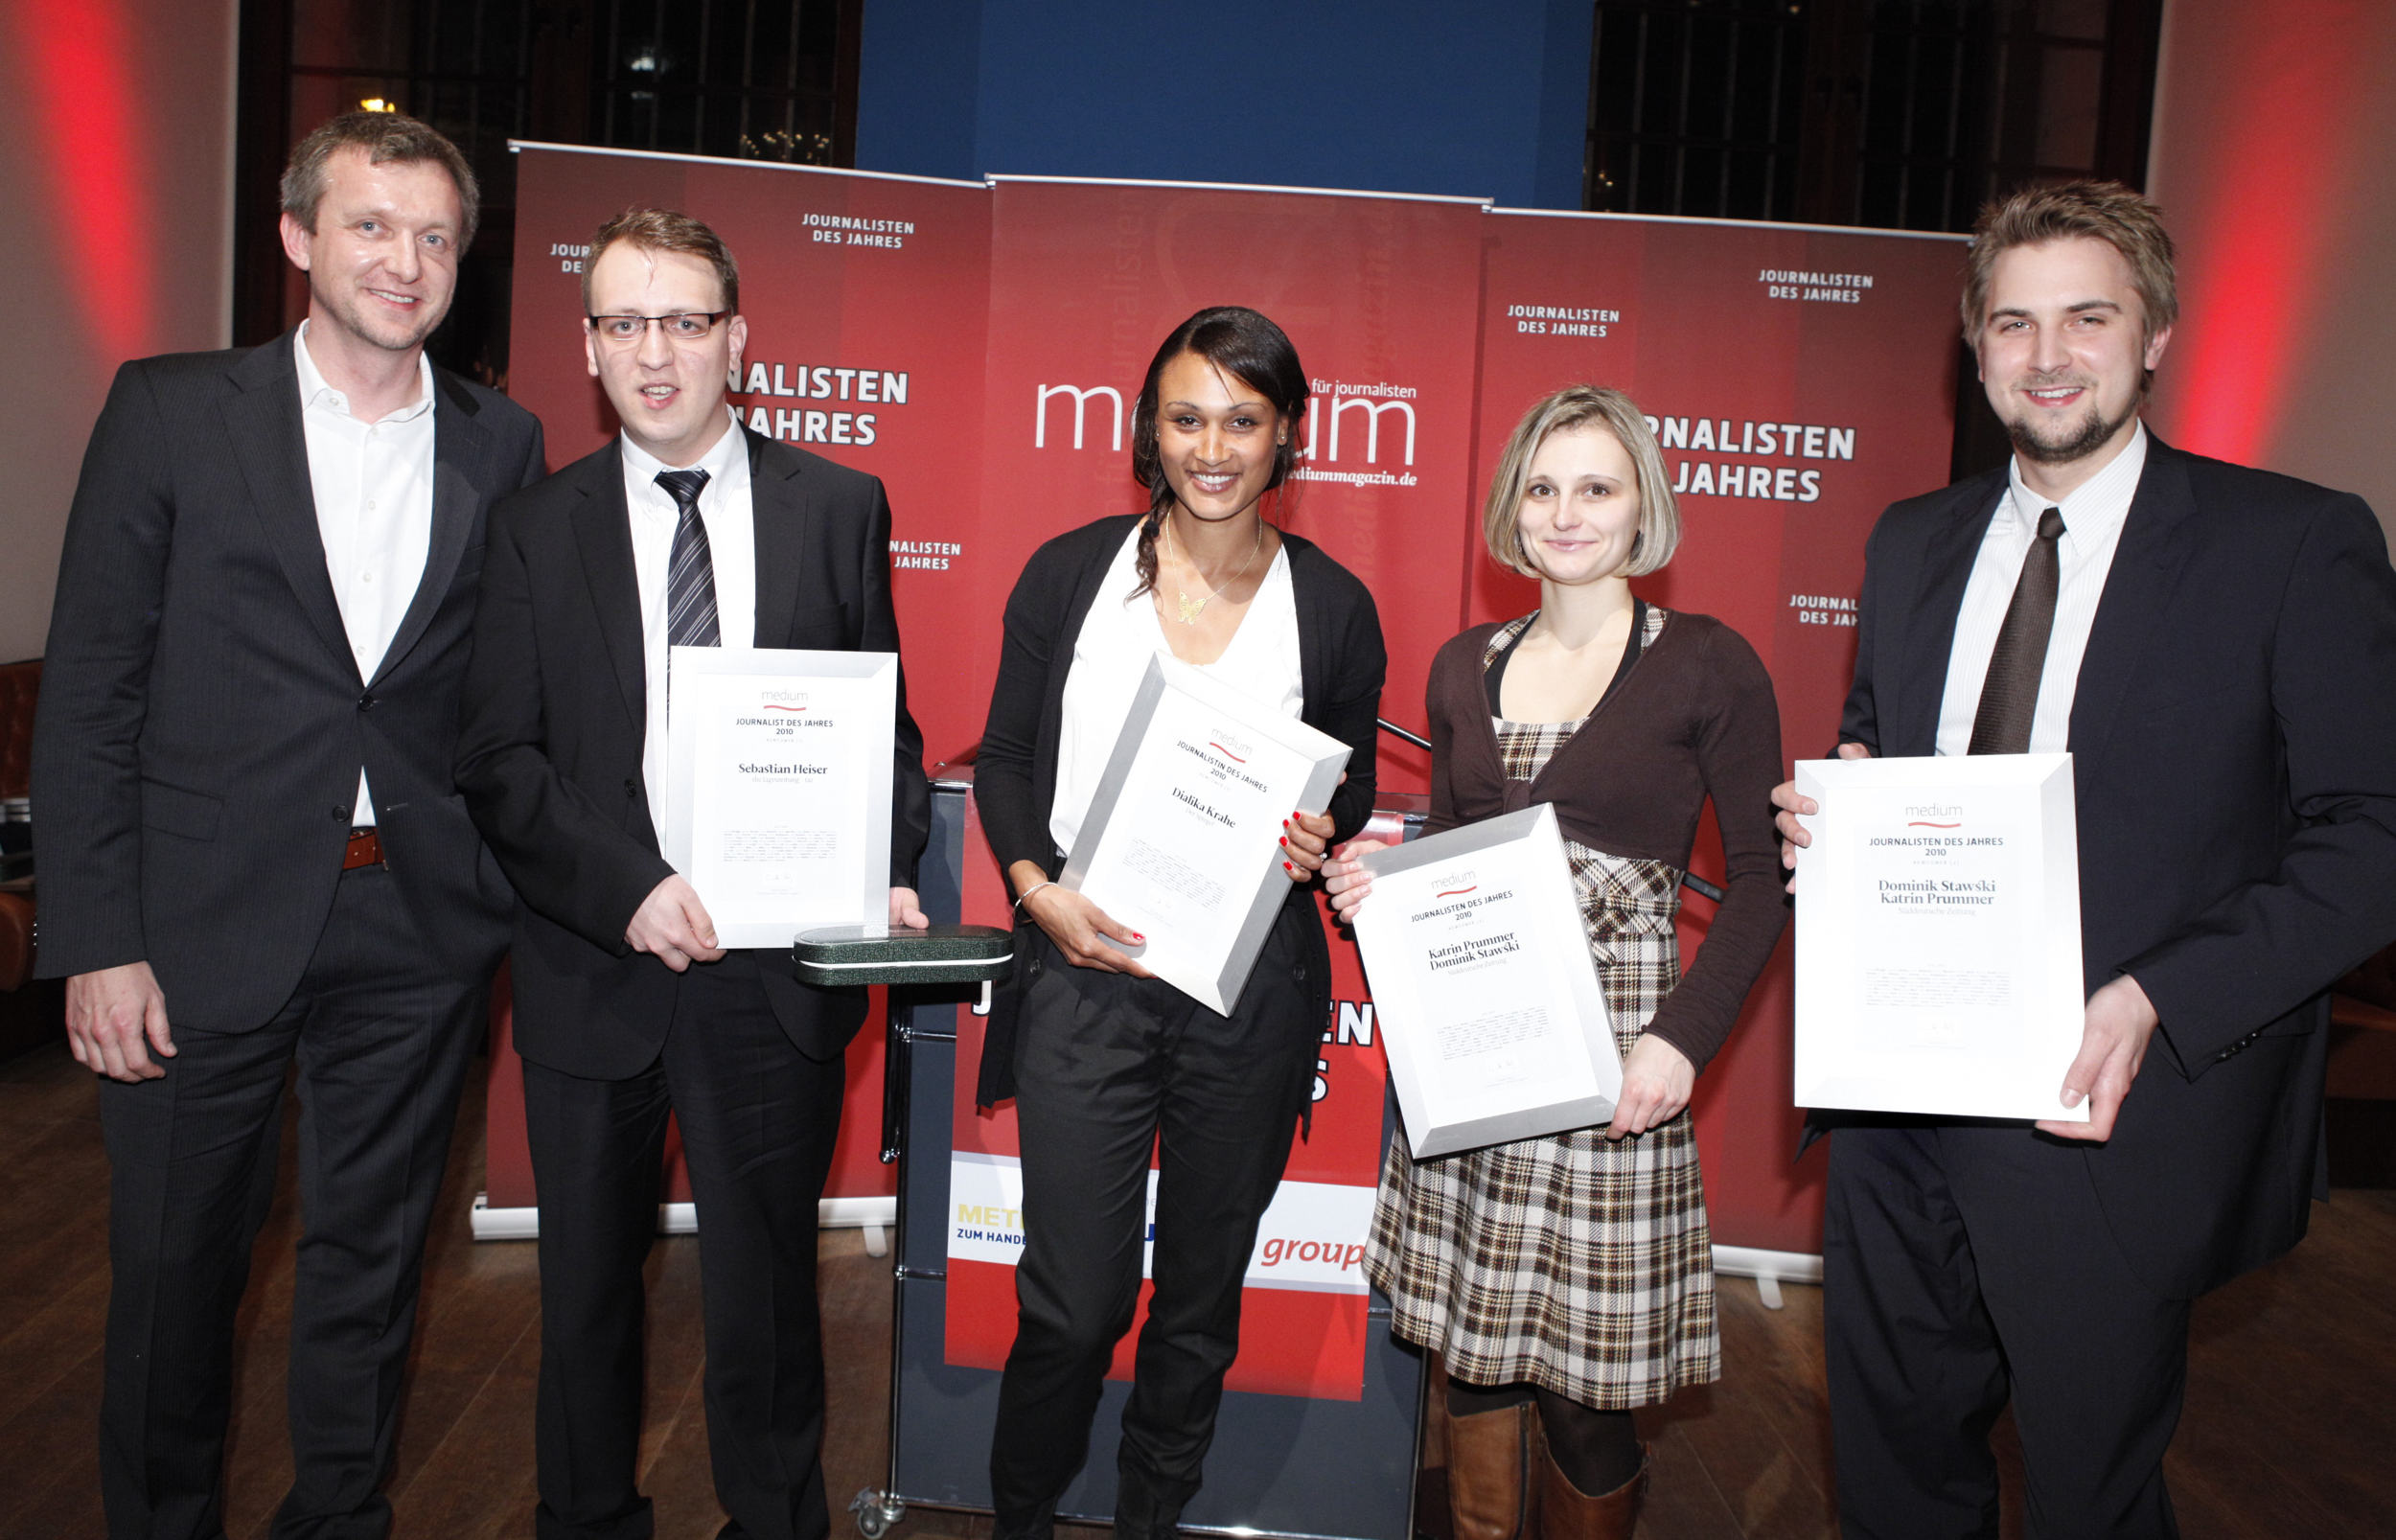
[690, 577]
[2009, 696]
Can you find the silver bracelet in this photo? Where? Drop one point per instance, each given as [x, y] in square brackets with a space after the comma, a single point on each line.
[1028, 891]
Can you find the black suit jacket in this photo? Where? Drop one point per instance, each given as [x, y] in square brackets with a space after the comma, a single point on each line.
[556, 709]
[2233, 738]
[202, 722]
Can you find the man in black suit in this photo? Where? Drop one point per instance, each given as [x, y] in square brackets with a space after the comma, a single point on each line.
[685, 530]
[251, 848]
[2217, 648]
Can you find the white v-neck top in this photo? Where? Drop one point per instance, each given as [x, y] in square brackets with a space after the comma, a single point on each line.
[1120, 634]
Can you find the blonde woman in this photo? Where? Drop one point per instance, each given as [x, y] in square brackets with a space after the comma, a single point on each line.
[1565, 1280]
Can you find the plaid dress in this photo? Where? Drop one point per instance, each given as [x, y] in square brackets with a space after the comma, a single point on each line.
[1582, 1266]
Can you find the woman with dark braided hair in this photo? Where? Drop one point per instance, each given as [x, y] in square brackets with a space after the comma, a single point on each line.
[1104, 1060]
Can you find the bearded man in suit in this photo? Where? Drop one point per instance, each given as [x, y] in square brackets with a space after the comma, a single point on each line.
[686, 530]
[252, 850]
[2215, 647]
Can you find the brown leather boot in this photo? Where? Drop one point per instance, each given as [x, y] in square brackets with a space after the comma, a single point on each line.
[1566, 1513]
[1493, 1474]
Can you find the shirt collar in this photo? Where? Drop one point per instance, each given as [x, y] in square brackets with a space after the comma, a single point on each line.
[2096, 506]
[315, 391]
[726, 462]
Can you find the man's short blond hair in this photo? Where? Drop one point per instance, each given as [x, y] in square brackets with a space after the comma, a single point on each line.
[384, 137]
[665, 230]
[2127, 220]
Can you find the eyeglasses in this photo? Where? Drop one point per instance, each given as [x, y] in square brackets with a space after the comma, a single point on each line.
[683, 325]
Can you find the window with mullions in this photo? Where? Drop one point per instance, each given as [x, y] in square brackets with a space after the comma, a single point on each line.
[1696, 107]
[758, 79]
[1903, 114]
[465, 66]
[753, 78]
[1894, 114]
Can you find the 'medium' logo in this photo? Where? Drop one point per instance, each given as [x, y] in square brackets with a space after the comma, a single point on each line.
[1081, 404]
[1354, 413]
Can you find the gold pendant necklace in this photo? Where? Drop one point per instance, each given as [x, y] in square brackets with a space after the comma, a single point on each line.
[1191, 609]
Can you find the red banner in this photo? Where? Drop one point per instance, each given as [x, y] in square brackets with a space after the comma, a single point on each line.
[866, 304]
[1087, 278]
[1798, 380]
[1377, 294]
[979, 349]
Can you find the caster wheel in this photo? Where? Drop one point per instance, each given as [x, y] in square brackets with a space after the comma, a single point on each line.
[876, 1512]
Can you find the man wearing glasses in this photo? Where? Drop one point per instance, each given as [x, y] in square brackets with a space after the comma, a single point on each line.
[683, 531]
[251, 850]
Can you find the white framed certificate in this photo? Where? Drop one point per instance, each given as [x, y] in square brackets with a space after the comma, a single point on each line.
[1485, 988]
[1938, 936]
[778, 787]
[1183, 841]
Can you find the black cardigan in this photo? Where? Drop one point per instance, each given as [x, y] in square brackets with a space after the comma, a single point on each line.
[1339, 665]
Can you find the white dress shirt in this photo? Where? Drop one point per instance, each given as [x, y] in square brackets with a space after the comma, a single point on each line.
[2093, 515]
[373, 485]
[724, 509]
[1111, 656]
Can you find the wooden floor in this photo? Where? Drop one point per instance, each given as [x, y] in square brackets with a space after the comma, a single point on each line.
[2291, 1403]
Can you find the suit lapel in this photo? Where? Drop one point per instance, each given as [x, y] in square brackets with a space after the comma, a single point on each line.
[603, 530]
[461, 467]
[777, 509]
[1929, 636]
[261, 421]
[2139, 589]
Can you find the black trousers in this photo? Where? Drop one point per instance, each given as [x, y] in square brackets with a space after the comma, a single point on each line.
[1110, 1067]
[382, 1036]
[1964, 1262]
[758, 1121]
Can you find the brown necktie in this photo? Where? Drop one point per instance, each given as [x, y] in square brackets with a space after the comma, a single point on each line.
[2009, 698]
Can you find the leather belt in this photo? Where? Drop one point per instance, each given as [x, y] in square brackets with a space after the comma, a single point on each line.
[364, 849]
